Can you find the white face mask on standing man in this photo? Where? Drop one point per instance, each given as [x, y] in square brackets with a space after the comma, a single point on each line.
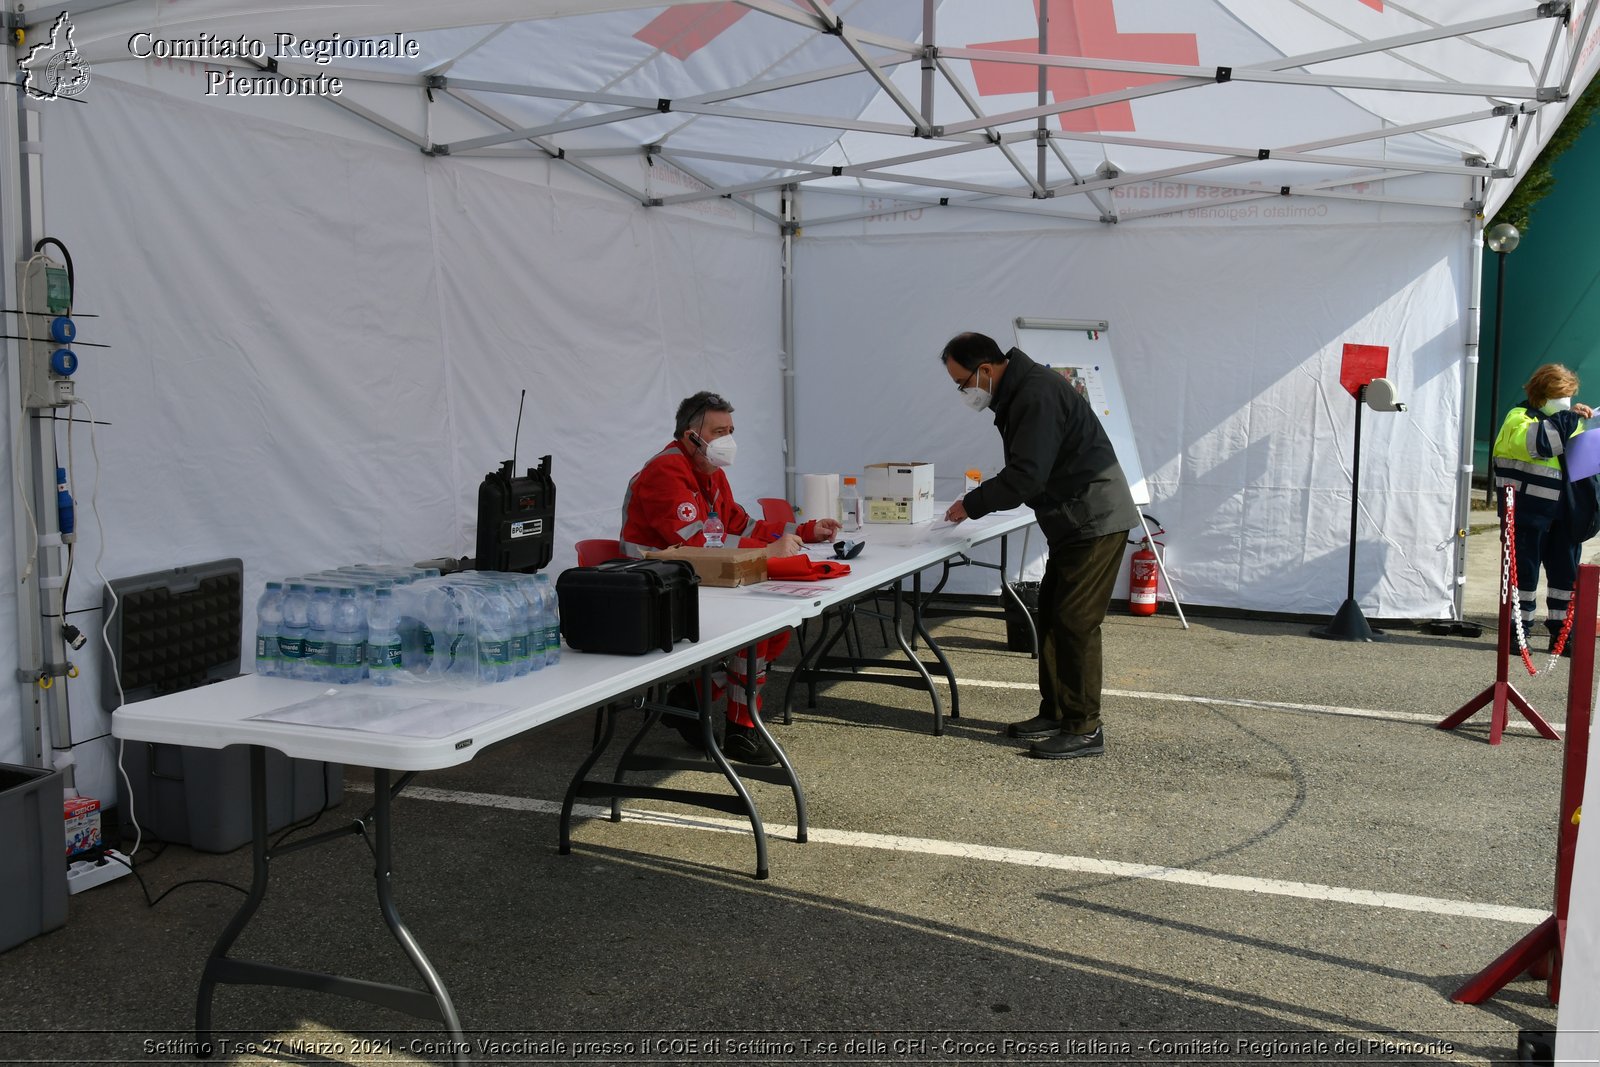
[974, 395]
[1557, 403]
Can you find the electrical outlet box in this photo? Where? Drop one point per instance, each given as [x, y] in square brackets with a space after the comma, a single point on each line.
[48, 362]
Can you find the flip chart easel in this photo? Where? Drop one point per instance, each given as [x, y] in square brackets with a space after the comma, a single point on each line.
[1080, 350]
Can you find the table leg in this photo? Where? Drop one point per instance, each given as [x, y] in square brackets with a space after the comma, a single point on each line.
[605, 726]
[783, 760]
[433, 1004]
[916, 660]
[806, 667]
[918, 626]
[241, 918]
[382, 872]
[651, 717]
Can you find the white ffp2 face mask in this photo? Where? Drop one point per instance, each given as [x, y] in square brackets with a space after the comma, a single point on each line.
[1555, 404]
[976, 397]
[720, 453]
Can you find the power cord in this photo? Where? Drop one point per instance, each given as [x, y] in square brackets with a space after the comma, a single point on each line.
[145, 889]
[105, 625]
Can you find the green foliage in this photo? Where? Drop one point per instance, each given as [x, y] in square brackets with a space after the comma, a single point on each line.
[1537, 183]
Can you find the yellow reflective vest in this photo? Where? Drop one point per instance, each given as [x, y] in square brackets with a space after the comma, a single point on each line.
[1526, 457]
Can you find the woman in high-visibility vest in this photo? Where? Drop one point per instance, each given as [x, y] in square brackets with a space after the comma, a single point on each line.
[1527, 456]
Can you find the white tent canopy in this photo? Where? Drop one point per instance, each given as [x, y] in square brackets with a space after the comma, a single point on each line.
[1432, 104]
[321, 307]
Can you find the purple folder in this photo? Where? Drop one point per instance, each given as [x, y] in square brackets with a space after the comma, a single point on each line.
[1583, 454]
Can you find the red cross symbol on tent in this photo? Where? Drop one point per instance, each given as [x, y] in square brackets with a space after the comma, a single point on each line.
[683, 30]
[1084, 28]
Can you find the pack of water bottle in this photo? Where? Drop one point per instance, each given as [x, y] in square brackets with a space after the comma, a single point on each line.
[386, 625]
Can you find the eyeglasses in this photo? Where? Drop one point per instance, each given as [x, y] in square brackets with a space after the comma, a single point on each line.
[962, 385]
[708, 402]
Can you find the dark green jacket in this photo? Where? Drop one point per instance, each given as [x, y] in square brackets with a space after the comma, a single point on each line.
[1059, 460]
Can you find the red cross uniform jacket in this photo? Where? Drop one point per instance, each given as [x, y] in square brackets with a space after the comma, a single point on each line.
[668, 501]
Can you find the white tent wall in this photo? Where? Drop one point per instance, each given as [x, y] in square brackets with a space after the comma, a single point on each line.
[318, 346]
[1228, 344]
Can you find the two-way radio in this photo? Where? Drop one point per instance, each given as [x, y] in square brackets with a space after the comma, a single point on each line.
[516, 516]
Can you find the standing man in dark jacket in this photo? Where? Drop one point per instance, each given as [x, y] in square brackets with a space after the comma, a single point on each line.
[1060, 463]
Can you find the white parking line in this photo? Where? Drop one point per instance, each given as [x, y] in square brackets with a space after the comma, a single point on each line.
[1013, 856]
[1513, 722]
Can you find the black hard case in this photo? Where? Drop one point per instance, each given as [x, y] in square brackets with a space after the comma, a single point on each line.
[629, 607]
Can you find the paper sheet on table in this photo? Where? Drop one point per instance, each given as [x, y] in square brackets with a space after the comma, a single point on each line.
[395, 714]
[794, 589]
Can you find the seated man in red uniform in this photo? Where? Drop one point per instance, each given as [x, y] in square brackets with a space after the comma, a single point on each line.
[668, 503]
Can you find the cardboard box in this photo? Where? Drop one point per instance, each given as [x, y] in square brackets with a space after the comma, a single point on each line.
[82, 815]
[726, 567]
[899, 492]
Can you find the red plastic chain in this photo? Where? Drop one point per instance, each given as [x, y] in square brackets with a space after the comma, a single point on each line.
[1511, 580]
[1511, 589]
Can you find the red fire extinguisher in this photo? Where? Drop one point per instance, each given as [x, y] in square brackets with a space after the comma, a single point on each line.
[1143, 572]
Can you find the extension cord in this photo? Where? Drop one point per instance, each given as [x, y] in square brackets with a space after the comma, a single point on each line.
[86, 874]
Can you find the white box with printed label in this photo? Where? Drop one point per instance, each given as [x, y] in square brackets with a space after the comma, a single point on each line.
[898, 492]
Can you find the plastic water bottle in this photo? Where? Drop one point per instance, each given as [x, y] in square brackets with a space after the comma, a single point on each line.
[450, 612]
[318, 659]
[292, 633]
[851, 505]
[714, 530]
[496, 627]
[384, 659]
[269, 624]
[347, 648]
[529, 642]
[552, 620]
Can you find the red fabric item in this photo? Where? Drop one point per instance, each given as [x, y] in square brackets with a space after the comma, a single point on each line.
[805, 569]
[667, 503]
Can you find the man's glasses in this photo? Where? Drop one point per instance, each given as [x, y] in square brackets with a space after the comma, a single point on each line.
[707, 403]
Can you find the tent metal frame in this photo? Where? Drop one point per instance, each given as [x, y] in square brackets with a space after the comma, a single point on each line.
[984, 130]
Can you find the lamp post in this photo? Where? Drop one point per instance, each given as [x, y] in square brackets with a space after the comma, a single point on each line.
[1502, 240]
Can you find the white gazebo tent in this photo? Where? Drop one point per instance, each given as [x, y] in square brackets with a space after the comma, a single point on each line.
[321, 305]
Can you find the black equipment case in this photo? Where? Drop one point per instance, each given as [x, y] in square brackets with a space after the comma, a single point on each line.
[517, 519]
[630, 606]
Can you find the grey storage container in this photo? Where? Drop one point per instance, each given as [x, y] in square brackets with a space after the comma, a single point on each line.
[33, 874]
[179, 629]
[200, 797]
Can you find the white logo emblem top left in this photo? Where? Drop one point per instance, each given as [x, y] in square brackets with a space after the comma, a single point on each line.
[54, 67]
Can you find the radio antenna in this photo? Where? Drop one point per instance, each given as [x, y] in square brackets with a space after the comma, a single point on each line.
[515, 437]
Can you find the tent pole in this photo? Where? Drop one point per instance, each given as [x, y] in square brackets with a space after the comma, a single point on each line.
[1044, 86]
[1469, 405]
[790, 195]
[928, 7]
[11, 246]
[44, 713]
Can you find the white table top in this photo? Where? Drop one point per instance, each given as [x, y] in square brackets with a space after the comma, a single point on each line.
[893, 551]
[215, 716]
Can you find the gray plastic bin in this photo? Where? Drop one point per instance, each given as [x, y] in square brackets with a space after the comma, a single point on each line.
[200, 797]
[33, 873]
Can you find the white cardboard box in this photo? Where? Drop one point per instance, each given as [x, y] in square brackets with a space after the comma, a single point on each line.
[898, 492]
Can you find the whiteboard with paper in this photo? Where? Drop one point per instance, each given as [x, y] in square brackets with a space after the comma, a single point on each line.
[1080, 350]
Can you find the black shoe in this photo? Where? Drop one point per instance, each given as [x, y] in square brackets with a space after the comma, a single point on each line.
[1566, 650]
[1038, 726]
[1070, 746]
[746, 745]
